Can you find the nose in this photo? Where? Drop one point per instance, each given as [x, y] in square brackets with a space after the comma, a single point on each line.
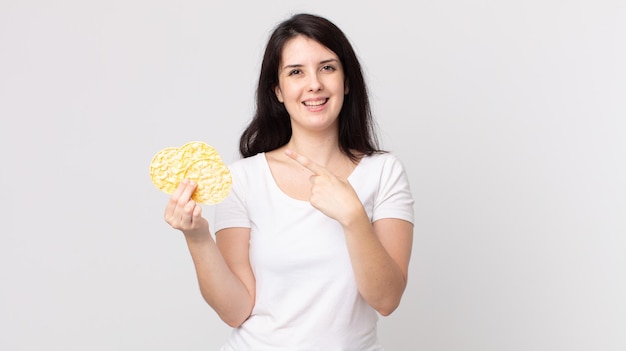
[315, 84]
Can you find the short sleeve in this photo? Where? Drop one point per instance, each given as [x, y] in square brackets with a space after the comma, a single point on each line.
[394, 198]
[232, 212]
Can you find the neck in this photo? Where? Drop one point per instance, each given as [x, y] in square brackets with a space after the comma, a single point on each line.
[323, 149]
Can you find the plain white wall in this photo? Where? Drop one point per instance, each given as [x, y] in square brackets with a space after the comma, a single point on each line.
[509, 116]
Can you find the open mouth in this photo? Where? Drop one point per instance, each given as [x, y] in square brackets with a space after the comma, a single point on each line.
[315, 103]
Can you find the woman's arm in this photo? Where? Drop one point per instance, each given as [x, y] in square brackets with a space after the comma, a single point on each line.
[223, 270]
[380, 255]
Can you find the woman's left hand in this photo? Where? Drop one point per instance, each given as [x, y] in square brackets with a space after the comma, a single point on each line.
[331, 195]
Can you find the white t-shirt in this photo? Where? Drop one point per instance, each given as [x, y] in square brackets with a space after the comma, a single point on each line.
[306, 293]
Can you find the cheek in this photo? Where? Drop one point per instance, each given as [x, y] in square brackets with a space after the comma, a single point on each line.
[289, 92]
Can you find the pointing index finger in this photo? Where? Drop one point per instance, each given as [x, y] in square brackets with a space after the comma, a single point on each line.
[305, 162]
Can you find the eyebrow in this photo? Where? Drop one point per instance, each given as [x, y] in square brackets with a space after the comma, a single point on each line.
[300, 65]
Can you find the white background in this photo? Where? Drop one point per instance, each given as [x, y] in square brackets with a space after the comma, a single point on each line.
[510, 117]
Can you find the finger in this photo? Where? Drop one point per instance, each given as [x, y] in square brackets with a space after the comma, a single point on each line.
[179, 199]
[306, 163]
[197, 213]
[173, 201]
[187, 190]
[181, 187]
[188, 212]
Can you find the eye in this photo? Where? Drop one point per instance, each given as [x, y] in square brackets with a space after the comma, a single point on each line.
[294, 72]
[330, 68]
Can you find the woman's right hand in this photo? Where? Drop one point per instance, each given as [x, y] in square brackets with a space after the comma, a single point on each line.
[185, 214]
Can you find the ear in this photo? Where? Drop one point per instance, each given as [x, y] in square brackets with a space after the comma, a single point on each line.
[279, 94]
[346, 87]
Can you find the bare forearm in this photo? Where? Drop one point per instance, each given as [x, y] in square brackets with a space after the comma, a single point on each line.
[219, 286]
[380, 280]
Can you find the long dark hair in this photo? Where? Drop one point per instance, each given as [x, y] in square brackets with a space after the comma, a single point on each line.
[270, 127]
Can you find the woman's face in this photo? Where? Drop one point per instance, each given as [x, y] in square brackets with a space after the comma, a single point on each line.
[311, 84]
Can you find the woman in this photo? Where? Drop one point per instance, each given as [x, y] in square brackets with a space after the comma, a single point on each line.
[314, 240]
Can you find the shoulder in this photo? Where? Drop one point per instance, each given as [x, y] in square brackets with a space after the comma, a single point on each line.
[383, 186]
[247, 164]
[245, 176]
[381, 161]
[379, 169]
[246, 171]
[386, 169]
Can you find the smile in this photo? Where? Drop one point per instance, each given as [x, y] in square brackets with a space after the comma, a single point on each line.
[315, 103]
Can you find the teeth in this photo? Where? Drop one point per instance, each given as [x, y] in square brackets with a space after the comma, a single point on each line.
[315, 103]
